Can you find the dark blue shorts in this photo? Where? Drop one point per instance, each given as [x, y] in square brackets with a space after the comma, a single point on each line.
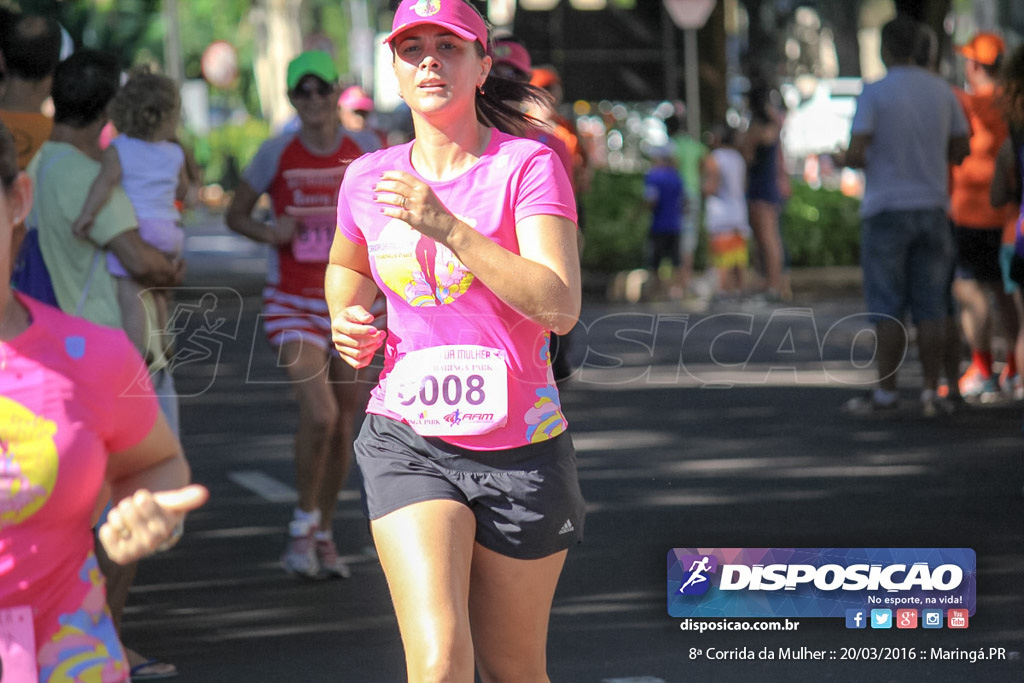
[661, 246]
[526, 500]
[907, 257]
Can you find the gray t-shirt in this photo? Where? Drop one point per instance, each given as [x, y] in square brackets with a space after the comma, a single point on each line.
[911, 115]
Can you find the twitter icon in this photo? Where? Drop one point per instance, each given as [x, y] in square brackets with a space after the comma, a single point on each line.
[881, 618]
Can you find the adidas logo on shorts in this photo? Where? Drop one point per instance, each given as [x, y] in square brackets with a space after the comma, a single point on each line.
[567, 528]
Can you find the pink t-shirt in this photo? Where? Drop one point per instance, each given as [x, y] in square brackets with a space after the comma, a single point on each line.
[70, 393]
[434, 301]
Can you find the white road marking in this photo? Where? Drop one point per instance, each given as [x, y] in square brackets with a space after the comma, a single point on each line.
[264, 486]
[274, 490]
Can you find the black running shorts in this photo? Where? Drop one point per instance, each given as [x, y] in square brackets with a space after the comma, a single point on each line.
[526, 500]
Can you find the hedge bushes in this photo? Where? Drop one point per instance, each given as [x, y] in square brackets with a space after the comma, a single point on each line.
[616, 222]
[820, 227]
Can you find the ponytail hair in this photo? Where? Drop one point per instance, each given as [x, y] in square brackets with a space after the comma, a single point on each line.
[497, 100]
[496, 104]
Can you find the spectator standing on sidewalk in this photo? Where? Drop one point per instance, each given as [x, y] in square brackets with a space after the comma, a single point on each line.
[690, 156]
[723, 184]
[908, 128]
[664, 196]
[301, 171]
[977, 225]
[767, 188]
[470, 233]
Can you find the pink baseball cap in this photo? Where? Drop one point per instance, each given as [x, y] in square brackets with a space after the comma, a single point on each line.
[356, 99]
[512, 53]
[455, 15]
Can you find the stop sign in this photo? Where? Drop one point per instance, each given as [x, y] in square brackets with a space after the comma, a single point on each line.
[689, 13]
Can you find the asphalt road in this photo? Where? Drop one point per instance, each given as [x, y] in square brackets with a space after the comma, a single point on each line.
[714, 429]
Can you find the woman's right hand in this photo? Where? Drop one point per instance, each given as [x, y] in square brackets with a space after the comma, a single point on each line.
[140, 523]
[355, 337]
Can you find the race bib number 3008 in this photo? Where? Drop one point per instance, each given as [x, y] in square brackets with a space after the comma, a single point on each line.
[458, 390]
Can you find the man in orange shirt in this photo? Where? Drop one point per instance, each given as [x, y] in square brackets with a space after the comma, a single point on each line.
[978, 226]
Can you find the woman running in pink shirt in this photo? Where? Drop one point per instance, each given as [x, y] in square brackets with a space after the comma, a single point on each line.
[470, 474]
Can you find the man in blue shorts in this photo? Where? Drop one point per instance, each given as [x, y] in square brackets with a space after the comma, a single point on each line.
[908, 127]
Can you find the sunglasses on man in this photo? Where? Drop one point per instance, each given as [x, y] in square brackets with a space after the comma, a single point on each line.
[307, 88]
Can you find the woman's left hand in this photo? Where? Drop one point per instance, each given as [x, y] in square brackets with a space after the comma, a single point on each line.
[407, 198]
[139, 524]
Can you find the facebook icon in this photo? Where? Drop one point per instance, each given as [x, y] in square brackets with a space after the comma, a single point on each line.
[856, 618]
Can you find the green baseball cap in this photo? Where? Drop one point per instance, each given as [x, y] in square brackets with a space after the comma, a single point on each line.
[312, 63]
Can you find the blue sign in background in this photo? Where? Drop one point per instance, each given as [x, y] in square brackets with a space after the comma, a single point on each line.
[705, 599]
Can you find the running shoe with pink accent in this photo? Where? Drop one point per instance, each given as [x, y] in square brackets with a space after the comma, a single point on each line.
[300, 556]
[331, 566]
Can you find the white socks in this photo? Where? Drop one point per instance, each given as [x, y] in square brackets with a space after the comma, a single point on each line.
[303, 522]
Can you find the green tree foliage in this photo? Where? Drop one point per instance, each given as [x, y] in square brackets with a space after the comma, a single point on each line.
[125, 28]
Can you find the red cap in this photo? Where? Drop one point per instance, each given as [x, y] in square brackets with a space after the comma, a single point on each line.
[455, 15]
[512, 53]
[984, 48]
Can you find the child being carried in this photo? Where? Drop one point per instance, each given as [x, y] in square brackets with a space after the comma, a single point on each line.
[151, 169]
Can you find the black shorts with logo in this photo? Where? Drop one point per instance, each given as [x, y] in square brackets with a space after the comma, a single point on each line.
[526, 500]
